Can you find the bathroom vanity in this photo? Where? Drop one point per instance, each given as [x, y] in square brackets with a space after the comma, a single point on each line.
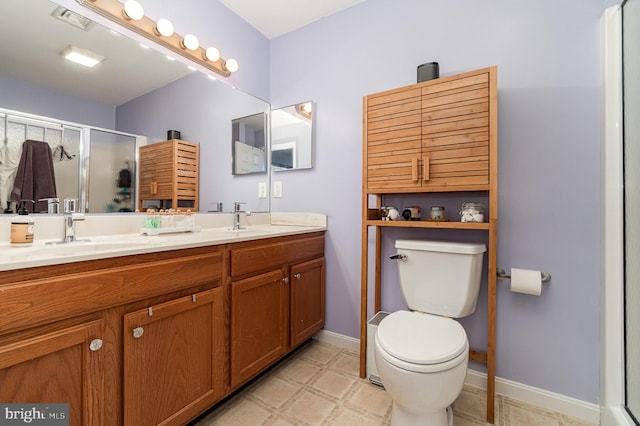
[158, 331]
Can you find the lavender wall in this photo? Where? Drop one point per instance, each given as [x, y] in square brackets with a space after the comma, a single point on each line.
[20, 96]
[548, 71]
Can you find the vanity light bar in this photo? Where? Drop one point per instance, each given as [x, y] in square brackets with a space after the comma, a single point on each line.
[146, 27]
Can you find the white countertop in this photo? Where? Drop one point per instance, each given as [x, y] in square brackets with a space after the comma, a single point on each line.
[43, 253]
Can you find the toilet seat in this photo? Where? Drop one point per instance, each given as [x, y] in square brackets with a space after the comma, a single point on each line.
[421, 342]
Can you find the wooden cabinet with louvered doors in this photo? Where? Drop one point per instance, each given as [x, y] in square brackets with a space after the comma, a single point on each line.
[430, 137]
[393, 125]
[173, 359]
[169, 172]
[455, 132]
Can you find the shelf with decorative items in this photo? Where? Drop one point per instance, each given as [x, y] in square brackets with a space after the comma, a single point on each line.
[431, 139]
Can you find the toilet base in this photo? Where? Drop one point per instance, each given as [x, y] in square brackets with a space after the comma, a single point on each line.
[401, 417]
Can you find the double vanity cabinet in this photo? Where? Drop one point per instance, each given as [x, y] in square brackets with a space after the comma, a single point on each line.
[157, 338]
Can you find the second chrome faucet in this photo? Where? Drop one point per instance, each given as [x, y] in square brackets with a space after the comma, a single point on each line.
[236, 215]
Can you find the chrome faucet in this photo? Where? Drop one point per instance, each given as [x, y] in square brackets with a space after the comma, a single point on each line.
[70, 219]
[237, 212]
[53, 205]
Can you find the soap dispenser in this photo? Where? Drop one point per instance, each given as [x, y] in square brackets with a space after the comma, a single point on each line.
[22, 227]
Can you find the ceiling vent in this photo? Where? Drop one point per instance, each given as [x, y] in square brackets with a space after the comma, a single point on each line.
[72, 18]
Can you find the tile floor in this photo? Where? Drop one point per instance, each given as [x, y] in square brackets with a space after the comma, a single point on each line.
[319, 385]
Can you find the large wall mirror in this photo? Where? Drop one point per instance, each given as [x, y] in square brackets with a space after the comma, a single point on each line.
[292, 137]
[134, 91]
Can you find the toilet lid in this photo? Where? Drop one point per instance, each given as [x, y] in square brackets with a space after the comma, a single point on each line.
[420, 338]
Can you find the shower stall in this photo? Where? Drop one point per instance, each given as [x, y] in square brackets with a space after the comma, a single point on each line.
[89, 163]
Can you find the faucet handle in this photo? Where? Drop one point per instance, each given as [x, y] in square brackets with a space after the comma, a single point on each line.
[237, 204]
[53, 205]
[70, 205]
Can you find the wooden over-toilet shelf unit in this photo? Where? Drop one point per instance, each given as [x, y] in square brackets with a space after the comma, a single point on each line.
[438, 136]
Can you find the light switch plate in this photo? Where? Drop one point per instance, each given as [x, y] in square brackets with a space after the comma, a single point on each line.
[262, 189]
[277, 189]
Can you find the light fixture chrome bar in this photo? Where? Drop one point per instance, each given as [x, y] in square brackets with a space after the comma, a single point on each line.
[146, 27]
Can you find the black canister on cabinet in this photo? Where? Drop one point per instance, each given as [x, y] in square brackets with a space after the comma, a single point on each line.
[428, 71]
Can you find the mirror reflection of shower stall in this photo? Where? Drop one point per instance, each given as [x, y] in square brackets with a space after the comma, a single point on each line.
[94, 166]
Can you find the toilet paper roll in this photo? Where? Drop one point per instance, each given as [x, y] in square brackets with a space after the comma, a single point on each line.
[526, 281]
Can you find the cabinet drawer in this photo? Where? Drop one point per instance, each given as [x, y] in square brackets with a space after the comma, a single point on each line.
[257, 256]
[39, 301]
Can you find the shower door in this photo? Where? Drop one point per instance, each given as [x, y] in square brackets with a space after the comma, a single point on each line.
[631, 154]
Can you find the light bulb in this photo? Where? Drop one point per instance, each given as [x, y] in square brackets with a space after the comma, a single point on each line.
[164, 27]
[133, 10]
[211, 54]
[231, 65]
[190, 42]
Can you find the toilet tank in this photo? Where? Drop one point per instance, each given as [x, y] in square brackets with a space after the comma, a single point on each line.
[439, 277]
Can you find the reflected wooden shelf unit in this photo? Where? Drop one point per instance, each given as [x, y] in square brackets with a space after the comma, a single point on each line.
[169, 172]
[439, 136]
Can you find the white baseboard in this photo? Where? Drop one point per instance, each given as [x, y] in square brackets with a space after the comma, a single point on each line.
[539, 397]
[528, 394]
[339, 340]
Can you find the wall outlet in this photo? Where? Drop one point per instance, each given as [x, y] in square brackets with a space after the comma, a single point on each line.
[262, 189]
[277, 189]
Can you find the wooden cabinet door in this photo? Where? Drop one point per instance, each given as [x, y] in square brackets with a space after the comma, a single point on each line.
[455, 132]
[63, 366]
[393, 139]
[173, 359]
[156, 171]
[259, 324]
[307, 300]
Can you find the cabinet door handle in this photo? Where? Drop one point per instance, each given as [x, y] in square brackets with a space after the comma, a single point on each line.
[95, 345]
[138, 332]
[425, 168]
[298, 276]
[414, 169]
[154, 187]
[285, 280]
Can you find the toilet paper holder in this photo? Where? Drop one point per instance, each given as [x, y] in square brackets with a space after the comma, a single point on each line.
[502, 274]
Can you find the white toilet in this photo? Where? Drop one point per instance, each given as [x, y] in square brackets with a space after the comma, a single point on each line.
[422, 354]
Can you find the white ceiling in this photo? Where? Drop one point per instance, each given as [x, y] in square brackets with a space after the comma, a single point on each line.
[128, 71]
[276, 17]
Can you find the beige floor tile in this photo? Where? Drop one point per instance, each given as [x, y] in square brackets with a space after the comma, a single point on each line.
[333, 384]
[322, 354]
[572, 421]
[518, 414]
[241, 412]
[279, 421]
[370, 399]
[319, 385]
[346, 363]
[459, 420]
[297, 369]
[473, 403]
[309, 408]
[348, 417]
[273, 391]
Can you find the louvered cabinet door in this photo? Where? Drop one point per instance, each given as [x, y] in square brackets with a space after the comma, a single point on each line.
[455, 132]
[393, 139]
